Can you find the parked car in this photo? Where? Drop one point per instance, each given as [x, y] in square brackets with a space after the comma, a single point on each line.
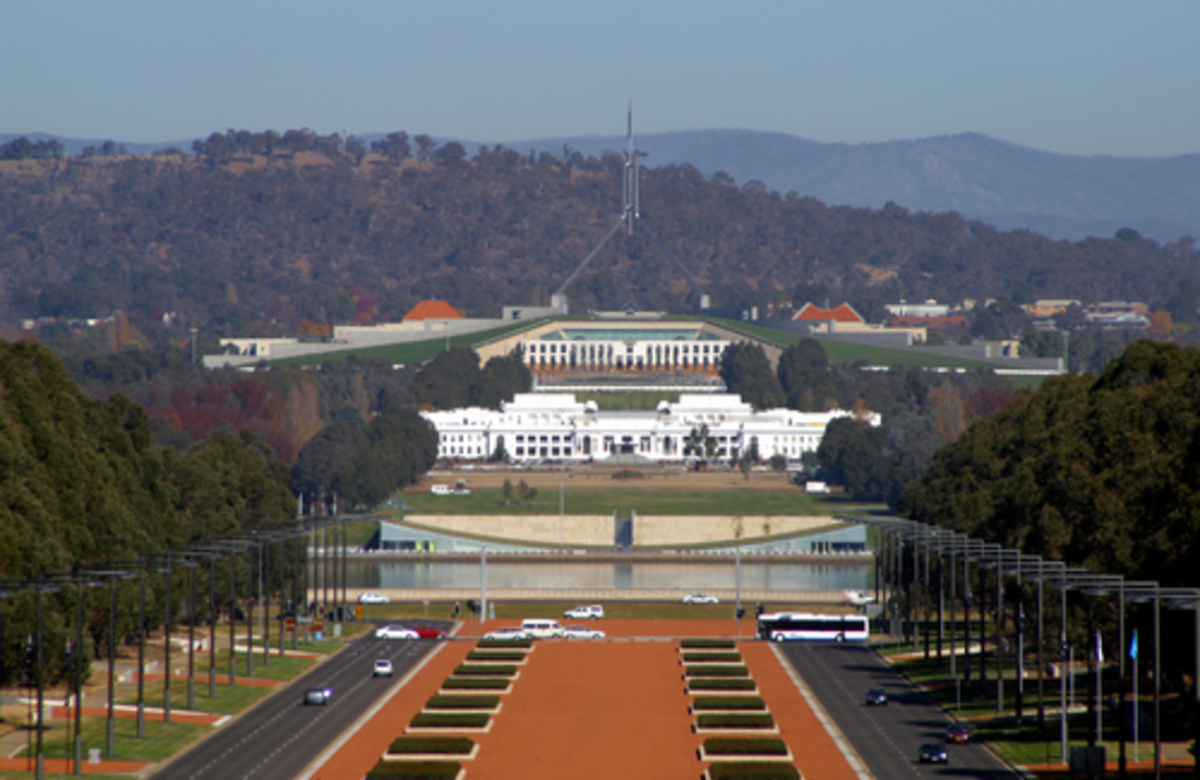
[429, 632]
[699, 598]
[958, 733]
[932, 753]
[588, 612]
[581, 632]
[876, 696]
[318, 695]
[382, 668]
[395, 632]
[508, 634]
[371, 597]
[541, 628]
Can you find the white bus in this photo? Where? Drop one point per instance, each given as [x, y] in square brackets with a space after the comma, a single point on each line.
[806, 626]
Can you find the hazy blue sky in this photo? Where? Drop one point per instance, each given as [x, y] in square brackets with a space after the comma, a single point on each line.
[1091, 77]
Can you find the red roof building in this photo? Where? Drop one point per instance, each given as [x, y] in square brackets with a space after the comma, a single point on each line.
[432, 310]
[843, 313]
[948, 326]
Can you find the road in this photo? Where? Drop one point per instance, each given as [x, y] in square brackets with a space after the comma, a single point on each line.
[281, 736]
[886, 737]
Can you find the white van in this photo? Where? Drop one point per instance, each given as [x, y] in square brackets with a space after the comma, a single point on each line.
[541, 628]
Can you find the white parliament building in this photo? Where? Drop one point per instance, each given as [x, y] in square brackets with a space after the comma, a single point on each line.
[555, 426]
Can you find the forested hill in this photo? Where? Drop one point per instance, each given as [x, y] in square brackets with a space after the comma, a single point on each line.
[244, 240]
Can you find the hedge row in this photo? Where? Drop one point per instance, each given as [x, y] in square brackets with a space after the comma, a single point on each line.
[430, 745]
[477, 683]
[761, 770]
[485, 670]
[495, 655]
[696, 643]
[745, 746]
[446, 720]
[738, 720]
[728, 703]
[462, 702]
[709, 684]
[702, 657]
[416, 770]
[505, 644]
[715, 671]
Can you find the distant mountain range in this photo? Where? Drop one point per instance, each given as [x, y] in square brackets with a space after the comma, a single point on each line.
[1003, 184]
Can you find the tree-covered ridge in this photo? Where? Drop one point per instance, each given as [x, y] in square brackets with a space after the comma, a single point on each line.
[1096, 471]
[238, 243]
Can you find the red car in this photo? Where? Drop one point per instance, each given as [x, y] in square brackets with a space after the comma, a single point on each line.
[429, 632]
[958, 733]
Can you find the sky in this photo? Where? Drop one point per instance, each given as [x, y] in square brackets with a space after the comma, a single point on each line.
[1097, 77]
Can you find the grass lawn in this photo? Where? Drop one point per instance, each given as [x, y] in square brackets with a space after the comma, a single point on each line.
[229, 699]
[648, 501]
[161, 741]
[413, 352]
[278, 669]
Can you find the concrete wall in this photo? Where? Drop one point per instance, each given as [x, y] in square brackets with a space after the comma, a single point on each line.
[666, 530]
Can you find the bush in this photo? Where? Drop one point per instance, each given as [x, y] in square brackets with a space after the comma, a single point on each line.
[485, 670]
[709, 684]
[492, 655]
[504, 644]
[766, 770]
[462, 702]
[457, 746]
[716, 671]
[744, 746]
[708, 657]
[477, 683]
[447, 720]
[707, 643]
[728, 703]
[416, 770]
[736, 721]
[627, 474]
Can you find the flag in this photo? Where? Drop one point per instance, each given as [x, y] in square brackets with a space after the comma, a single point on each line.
[1133, 646]
[1099, 649]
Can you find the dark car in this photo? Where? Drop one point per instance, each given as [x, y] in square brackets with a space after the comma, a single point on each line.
[958, 733]
[318, 695]
[876, 696]
[932, 753]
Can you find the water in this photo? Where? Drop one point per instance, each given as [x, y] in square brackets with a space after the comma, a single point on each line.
[611, 575]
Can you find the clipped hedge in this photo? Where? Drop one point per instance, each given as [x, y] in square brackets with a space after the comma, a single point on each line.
[715, 671]
[728, 703]
[709, 643]
[734, 684]
[477, 683]
[462, 703]
[495, 655]
[745, 746]
[702, 657]
[451, 746]
[416, 770]
[738, 720]
[449, 720]
[506, 644]
[485, 670]
[764, 770]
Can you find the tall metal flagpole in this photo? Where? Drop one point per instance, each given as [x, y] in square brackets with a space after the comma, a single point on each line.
[1133, 653]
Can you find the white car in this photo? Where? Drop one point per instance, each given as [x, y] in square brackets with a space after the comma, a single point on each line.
[395, 632]
[699, 598]
[581, 632]
[508, 634]
[588, 612]
[382, 668]
[371, 597]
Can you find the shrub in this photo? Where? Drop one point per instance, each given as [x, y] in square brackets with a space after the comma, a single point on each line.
[766, 770]
[728, 703]
[709, 684]
[490, 655]
[458, 746]
[744, 746]
[462, 702]
[504, 644]
[716, 671]
[485, 670]
[416, 770]
[477, 683]
[736, 721]
[627, 474]
[447, 720]
[709, 657]
[709, 643]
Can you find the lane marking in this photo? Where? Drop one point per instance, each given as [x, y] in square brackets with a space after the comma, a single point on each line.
[848, 752]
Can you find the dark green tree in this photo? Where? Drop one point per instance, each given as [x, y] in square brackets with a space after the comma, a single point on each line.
[747, 372]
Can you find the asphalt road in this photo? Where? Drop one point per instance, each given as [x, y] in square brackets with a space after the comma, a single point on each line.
[281, 736]
[886, 737]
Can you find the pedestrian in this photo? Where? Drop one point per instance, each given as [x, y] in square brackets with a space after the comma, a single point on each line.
[456, 608]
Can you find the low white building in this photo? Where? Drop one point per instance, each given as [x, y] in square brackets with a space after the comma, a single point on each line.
[544, 426]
